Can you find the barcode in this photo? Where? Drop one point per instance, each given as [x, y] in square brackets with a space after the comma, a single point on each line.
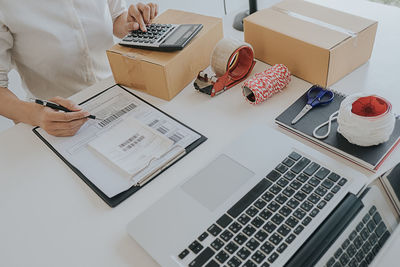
[162, 129]
[151, 124]
[176, 137]
[116, 115]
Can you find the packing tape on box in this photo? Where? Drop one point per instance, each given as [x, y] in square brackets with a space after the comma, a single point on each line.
[265, 84]
[315, 21]
[231, 62]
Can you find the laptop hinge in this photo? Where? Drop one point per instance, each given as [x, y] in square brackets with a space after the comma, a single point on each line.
[327, 233]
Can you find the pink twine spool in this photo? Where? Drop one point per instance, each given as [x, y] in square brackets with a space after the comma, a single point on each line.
[265, 84]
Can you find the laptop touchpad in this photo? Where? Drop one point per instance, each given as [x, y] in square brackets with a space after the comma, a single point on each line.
[216, 182]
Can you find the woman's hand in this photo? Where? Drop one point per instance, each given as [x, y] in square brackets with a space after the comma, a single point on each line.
[60, 123]
[136, 18]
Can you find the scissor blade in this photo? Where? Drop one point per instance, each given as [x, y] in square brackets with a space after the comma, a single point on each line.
[301, 113]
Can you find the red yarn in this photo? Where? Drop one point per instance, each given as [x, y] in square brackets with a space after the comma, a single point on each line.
[369, 106]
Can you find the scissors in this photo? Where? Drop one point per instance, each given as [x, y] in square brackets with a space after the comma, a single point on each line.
[316, 96]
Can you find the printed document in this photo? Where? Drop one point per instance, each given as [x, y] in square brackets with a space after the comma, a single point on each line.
[104, 151]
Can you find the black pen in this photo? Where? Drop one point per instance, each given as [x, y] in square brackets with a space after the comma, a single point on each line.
[57, 107]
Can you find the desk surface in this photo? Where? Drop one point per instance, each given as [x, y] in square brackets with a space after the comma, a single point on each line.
[50, 217]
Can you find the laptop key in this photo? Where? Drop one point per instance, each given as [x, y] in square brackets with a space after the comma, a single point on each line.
[329, 196]
[358, 241]
[265, 214]
[273, 176]
[342, 181]
[243, 253]
[300, 165]
[314, 212]
[282, 247]
[235, 227]
[183, 254]
[267, 247]
[295, 156]
[252, 211]
[269, 227]
[260, 203]
[293, 203]
[202, 236]
[261, 235]
[300, 196]
[249, 230]
[277, 219]
[377, 218]
[372, 210]
[288, 162]
[351, 250]
[252, 244]
[322, 173]
[321, 191]
[282, 182]
[281, 168]
[249, 198]
[234, 262]
[289, 175]
[273, 257]
[299, 214]
[224, 221]
[222, 256]
[195, 247]
[384, 238]
[327, 183]
[226, 235]
[314, 198]
[306, 221]
[307, 206]
[202, 258]
[214, 230]
[290, 238]
[217, 244]
[283, 230]
[244, 219]
[314, 181]
[330, 262]
[380, 229]
[295, 184]
[258, 256]
[292, 221]
[275, 239]
[273, 206]
[257, 222]
[302, 178]
[334, 177]
[288, 191]
[275, 189]
[231, 247]
[285, 211]
[240, 238]
[338, 252]
[335, 189]
[298, 229]
[311, 169]
[268, 196]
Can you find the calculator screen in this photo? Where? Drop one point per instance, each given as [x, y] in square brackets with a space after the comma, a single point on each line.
[179, 33]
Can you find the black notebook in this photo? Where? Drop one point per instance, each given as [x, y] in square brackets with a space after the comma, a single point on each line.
[368, 157]
[116, 105]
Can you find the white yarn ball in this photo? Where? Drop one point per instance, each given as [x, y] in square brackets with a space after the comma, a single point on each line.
[364, 131]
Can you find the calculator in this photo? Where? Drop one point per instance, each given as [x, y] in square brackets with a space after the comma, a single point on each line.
[162, 37]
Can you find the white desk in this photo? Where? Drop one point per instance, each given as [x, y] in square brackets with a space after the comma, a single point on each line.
[50, 217]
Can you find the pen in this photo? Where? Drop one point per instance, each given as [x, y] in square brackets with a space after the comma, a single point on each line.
[57, 107]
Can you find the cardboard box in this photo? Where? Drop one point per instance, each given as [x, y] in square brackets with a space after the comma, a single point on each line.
[165, 74]
[318, 44]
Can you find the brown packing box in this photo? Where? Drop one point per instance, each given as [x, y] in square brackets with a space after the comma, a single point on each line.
[318, 44]
[165, 74]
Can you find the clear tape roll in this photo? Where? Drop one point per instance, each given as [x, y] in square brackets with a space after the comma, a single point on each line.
[222, 53]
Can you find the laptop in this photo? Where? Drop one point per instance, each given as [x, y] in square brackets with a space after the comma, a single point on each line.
[268, 200]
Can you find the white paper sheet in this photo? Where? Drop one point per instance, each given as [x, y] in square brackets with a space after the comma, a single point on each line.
[115, 105]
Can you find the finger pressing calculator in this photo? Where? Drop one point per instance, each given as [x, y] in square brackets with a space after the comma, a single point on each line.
[162, 37]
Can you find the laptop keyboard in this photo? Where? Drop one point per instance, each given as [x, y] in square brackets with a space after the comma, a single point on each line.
[262, 224]
[363, 243]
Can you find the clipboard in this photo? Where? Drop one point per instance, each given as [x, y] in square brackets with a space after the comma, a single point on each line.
[118, 198]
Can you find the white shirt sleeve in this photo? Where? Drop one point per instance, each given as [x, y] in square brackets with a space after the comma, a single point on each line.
[117, 7]
[6, 43]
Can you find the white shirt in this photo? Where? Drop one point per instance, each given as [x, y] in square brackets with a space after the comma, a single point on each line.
[57, 46]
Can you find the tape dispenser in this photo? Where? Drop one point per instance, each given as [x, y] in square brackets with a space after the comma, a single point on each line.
[231, 61]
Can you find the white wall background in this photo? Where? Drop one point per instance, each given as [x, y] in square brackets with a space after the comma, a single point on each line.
[205, 7]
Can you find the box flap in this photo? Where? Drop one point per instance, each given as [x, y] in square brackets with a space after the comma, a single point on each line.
[173, 17]
[310, 23]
